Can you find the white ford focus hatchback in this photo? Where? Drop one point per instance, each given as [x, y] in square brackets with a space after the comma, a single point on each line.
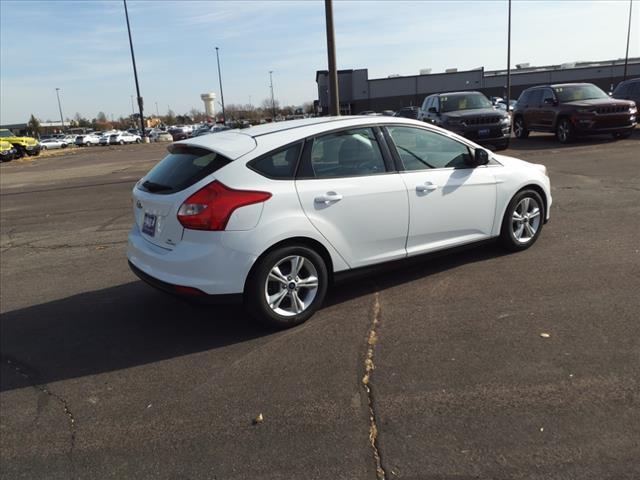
[269, 214]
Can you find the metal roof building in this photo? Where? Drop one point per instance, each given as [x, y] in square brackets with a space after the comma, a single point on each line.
[359, 93]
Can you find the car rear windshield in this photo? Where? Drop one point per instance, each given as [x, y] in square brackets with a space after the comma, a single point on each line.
[472, 101]
[575, 93]
[184, 166]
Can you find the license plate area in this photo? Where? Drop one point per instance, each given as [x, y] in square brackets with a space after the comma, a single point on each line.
[484, 132]
[149, 224]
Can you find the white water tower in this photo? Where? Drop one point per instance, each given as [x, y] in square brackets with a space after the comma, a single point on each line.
[209, 100]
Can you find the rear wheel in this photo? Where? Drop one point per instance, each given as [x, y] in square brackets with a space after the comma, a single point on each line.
[519, 129]
[523, 220]
[287, 286]
[564, 131]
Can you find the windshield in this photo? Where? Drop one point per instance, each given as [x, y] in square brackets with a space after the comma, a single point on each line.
[5, 134]
[471, 101]
[575, 93]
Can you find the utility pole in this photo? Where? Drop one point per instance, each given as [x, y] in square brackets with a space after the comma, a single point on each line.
[157, 112]
[509, 59]
[133, 111]
[626, 57]
[224, 117]
[135, 74]
[60, 107]
[273, 102]
[334, 103]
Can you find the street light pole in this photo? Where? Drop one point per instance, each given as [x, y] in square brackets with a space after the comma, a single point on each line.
[509, 59]
[60, 107]
[133, 112]
[334, 105]
[135, 71]
[273, 102]
[157, 112]
[224, 117]
[626, 57]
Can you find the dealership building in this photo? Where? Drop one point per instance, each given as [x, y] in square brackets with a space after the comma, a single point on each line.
[359, 93]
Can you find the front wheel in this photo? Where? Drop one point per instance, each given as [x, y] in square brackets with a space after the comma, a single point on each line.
[138, 140]
[519, 130]
[523, 220]
[564, 131]
[287, 286]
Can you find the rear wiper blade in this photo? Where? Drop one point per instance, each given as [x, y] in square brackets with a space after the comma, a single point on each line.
[156, 187]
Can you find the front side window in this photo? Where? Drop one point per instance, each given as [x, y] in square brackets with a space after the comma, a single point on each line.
[421, 149]
[280, 164]
[346, 153]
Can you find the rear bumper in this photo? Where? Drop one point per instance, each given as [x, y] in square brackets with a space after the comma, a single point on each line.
[206, 261]
[180, 291]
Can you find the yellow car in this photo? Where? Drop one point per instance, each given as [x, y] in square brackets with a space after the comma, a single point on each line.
[22, 145]
[7, 152]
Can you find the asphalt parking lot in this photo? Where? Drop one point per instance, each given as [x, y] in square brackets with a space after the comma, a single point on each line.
[104, 377]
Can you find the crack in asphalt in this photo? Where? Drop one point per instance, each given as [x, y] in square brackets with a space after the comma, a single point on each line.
[28, 245]
[23, 369]
[372, 340]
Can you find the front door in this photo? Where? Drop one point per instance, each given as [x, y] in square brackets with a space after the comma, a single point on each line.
[352, 198]
[450, 203]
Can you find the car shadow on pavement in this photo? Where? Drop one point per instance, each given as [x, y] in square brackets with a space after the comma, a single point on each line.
[133, 324]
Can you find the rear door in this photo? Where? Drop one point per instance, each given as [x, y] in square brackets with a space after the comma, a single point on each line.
[450, 203]
[353, 197]
[532, 112]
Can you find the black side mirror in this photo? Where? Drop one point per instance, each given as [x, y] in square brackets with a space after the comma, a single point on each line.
[480, 157]
[433, 110]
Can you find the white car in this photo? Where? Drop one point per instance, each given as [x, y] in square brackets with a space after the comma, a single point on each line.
[121, 138]
[87, 140]
[52, 143]
[160, 136]
[273, 213]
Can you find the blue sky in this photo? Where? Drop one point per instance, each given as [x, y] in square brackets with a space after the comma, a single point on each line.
[82, 46]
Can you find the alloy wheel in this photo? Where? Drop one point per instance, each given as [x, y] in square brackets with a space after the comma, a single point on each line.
[291, 285]
[525, 220]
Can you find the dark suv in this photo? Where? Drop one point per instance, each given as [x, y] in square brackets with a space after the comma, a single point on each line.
[572, 109]
[628, 90]
[469, 114]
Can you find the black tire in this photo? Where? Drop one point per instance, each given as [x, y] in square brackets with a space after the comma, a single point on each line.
[19, 152]
[257, 286]
[565, 132]
[519, 128]
[503, 146]
[121, 142]
[622, 135]
[138, 140]
[44, 148]
[508, 237]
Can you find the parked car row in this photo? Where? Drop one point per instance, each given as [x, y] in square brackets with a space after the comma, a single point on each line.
[566, 110]
[107, 138]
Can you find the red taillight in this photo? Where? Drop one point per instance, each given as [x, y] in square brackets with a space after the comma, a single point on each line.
[211, 207]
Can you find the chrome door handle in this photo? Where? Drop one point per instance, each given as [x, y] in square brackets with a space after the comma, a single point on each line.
[329, 197]
[427, 187]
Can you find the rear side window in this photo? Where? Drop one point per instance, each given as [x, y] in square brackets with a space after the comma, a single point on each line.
[347, 153]
[279, 165]
[184, 166]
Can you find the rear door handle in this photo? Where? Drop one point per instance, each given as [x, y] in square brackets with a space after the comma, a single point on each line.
[329, 197]
[426, 187]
